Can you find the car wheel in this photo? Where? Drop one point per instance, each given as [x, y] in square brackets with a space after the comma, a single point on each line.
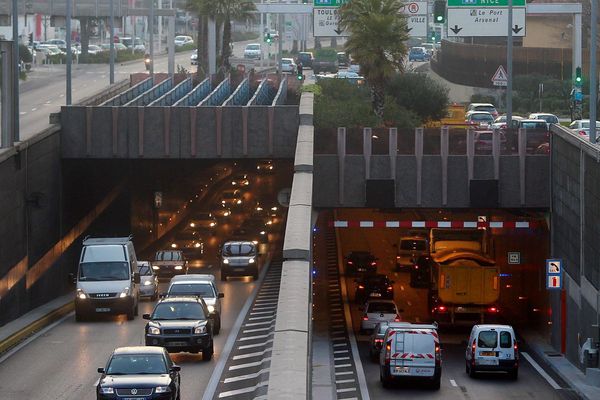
[136, 311]
[208, 353]
[472, 371]
[218, 326]
[79, 317]
[131, 314]
[223, 276]
[514, 374]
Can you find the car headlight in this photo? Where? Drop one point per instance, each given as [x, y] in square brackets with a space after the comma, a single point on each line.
[196, 245]
[124, 293]
[255, 241]
[152, 330]
[107, 390]
[226, 214]
[200, 329]
[162, 389]
[225, 261]
[239, 202]
[251, 261]
[212, 224]
[147, 283]
[155, 267]
[178, 267]
[211, 308]
[81, 294]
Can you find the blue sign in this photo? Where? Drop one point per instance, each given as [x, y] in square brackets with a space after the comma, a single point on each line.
[554, 275]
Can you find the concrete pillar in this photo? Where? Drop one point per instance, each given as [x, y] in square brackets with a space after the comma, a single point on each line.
[212, 46]
[171, 46]
[522, 140]
[496, 153]
[367, 146]
[6, 97]
[470, 152]
[393, 151]
[419, 160]
[577, 44]
[444, 150]
[341, 151]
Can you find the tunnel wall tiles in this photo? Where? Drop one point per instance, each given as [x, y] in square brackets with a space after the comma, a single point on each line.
[326, 181]
[458, 182]
[354, 181]
[509, 188]
[591, 248]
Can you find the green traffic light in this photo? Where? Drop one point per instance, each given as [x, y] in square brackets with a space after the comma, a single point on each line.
[439, 18]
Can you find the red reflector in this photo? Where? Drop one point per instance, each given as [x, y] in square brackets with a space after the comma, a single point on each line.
[350, 262]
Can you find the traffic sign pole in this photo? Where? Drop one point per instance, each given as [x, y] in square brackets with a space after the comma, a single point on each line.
[593, 80]
[509, 60]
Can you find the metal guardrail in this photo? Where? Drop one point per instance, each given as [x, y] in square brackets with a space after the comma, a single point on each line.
[240, 95]
[130, 94]
[150, 95]
[263, 96]
[218, 95]
[194, 97]
[281, 95]
[173, 95]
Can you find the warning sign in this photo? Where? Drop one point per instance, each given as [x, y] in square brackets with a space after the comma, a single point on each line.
[500, 78]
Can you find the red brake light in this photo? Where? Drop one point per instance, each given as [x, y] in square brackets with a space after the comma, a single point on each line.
[373, 263]
[473, 347]
[416, 266]
[441, 308]
[397, 319]
[390, 287]
[350, 262]
[438, 355]
[493, 309]
[365, 317]
[378, 340]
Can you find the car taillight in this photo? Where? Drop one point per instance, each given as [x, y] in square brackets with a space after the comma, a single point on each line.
[438, 355]
[388, 352]
[350, 262]
[516, 348]
[416, 266]
[441, 309]
[582, 133]
[365, 317]
[493, 309]
[473, 349]
[397, 319]
[361, 286]
[378, 340]
[397, 257]
[373, 263]
[390, 288]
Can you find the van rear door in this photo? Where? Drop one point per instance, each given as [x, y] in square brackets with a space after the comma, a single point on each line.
[414, 353]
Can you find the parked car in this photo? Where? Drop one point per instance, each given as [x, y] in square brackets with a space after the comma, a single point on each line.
[376, 311]
[148, 280]
[479, 118]
[360, 262]
[549, 118]
[492, 348]
[412, 352]
[288, 65]
[343, 59]
[582, 127]
[418, 53]
[487, 107]
[137, 44]
[374, 286]
[253, 51]
[183, 40]
[537, 133]
[194, 58]
[60, 43]
[94, 49]
[181, 324]
[484, 139]
[500, 122]
[305, 58]
[429, 47]
[117, 46]
[201, 285]
[139, 371]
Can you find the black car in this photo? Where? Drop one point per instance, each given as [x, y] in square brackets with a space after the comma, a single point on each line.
[306, 59]
[181, 324]
[420, 274]
[361, 262]
[377, 286]
[139, 372]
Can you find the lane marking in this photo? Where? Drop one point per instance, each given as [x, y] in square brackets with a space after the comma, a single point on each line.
[353, 389]
[345, 381]
[453, 383]
[253, 346]
[541, 371]
[340, 358]
[342, 365]
[255, 354]
[261, 312]
[249, 389]
[246, 338]
[245, 377]
[344, 373]
[259, 323]
[249, 365]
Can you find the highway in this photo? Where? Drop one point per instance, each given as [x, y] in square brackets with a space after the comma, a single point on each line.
[61, 363]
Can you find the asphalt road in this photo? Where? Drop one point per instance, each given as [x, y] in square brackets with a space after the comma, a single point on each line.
[455, 382]
[61, 363]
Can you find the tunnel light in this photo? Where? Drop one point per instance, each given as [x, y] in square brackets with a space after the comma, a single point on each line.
[196, 245]
[174, 245]
[193, 225]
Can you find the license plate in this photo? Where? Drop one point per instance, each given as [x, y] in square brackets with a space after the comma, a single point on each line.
[104, 309]
[178, 343]
[134, 398]
[487, 361]
[487, 353]
[403, 370]
[362, 269]
[238, 269]
[375, 294]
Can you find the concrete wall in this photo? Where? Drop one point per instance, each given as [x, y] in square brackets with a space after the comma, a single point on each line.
[179, 132]
[575, 238]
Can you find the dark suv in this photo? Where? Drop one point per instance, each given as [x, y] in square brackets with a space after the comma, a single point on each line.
[181, 324]
[361, 262]
[378, 286]
[306, 59]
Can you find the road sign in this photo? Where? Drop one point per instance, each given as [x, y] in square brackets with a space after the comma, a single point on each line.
[500, 78]
[329, 3]
[554, 274]
[484, 3]
[486, 21]
[514, 257]
[416, 18]
[326, 23]
[481, 218]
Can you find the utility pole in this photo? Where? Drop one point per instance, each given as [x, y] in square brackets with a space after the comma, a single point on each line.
[16, 63]
[509, 65]
[151, 36]
[593, 72]
[69, 52]
[112, 43]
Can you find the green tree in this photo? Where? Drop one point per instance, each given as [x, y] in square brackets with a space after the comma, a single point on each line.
[419, 94]
[378, 33]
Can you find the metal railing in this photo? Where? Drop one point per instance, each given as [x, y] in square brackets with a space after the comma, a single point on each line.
[240, 95]
[198, 94]
[150, 95]
[173, 95]
[281, 95]
[218, 95]
[130, 94]
[263, 96]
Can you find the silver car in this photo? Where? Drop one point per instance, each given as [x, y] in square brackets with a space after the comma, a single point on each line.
[148, 280]
[239, 258]
[377, 311]
[201, 285]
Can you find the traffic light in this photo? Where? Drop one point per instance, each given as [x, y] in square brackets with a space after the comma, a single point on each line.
[31, 39]
[268, 38]
[439, 11]
[299, 74]
[578, 80]
[432, 35]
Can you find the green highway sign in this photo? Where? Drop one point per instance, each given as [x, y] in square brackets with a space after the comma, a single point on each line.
[329, 3]
[477, 3]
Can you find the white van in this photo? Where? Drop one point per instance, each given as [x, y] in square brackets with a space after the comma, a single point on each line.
[492, 348]
[107, 278]
[411, 352]
[239, 258]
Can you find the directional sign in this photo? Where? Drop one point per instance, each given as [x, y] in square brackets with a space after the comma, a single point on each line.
[514, 257]
[326, 23]
[554, 274]
[416, 18]
[329, 3]
[500, 78]
[485, 21]
[484, 3]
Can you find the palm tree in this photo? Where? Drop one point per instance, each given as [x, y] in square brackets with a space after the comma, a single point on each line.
[230, 10]
[377, 41]
[203, 9]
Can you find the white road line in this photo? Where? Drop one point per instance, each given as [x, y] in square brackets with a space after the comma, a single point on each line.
[249, 389]
[23, 113]
[255, 354]
[243, 339]
[30, 339]
[340, 351]
[344, 373]
[262, 312]
[245, 377]
[253, 346]
[453, 383]
[541, 371]
[257, 318]
[340, 344]
[340, 358]
[345, 381]
[342, 365]
[266, 328]
[346, 390]
[259, 323]
[264, 308]
[249, 365]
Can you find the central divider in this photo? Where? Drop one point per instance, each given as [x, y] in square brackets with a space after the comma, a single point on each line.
[290, 370]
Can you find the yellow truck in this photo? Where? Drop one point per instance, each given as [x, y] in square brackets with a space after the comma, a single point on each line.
[455, 117]
[464, 279]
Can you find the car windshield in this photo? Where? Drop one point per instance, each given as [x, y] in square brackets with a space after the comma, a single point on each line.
[489, 109]
[168, 256]
[135, 364]
[481, 117]
[488, 339]
[178, 310]
[253, 47]
[145, 270]
[412, 245]
[104, 271]
[382, 308]
[239, 249]
[485, 136]
[533, 125]
[195, 289]
[551, 119]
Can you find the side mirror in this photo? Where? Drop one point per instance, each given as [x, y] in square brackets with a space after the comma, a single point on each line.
[221, 295]
[101, 370]
[72, 278]
[175, 368]
[136, 277]
[146, 316]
